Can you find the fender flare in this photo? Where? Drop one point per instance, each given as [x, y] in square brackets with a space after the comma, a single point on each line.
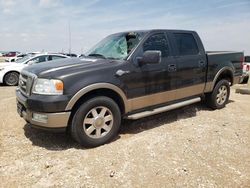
[220, 72]
[93, 87]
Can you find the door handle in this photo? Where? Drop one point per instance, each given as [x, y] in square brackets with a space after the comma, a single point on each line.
[201, 63]
[172, 68]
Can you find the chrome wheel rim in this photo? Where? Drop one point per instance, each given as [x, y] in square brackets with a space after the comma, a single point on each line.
[98, 122]
[221, 96]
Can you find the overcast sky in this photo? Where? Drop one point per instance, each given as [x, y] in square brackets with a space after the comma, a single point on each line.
[35, 25]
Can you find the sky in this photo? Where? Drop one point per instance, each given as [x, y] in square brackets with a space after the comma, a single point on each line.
[43, 25]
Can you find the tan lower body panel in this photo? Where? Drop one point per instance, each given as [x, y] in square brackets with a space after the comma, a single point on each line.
[163, 109]
[54, 120]
[163, 97]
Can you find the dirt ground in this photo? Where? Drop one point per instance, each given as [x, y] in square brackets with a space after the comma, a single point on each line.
[189, 147]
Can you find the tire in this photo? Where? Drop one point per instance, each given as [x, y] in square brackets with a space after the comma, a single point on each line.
[96, 122]
[218, 98]
[245, 80]
[11, 79]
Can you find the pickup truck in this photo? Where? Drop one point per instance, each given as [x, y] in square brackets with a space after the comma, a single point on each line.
[126, 75]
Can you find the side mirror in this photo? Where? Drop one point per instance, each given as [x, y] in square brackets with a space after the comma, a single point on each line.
[150, 57]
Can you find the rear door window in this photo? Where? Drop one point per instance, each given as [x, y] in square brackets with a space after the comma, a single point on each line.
[186, 44]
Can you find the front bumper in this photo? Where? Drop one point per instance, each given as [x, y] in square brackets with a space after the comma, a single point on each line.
[58, 120]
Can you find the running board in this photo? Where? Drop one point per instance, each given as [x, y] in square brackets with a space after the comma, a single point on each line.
[163, 109]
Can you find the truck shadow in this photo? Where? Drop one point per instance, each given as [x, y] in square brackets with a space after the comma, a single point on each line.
[49, 140]
[140, 125]
[62, 141]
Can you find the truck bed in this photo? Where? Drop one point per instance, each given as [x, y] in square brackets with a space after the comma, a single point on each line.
[219, 59]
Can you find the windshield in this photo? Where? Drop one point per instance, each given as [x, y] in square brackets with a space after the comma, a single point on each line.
[24, 59]
[117, 46]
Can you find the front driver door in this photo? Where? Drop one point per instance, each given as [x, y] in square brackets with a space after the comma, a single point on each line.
[153, 82]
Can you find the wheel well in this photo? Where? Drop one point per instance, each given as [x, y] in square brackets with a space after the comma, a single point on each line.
[95, 93]
[226, 75]
[12, 71]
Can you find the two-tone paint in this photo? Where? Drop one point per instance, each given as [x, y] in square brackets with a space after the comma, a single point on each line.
[134, 87]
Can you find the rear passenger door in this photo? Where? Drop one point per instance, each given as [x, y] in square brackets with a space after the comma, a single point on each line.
[191, 64]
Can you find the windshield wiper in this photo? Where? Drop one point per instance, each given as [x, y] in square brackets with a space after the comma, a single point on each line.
[97, 55]
[113, 58]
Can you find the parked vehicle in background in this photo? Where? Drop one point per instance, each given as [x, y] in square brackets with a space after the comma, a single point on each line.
[11, 54]
[36, 53]
[246, 70]
[9, 72]
[2, 53]
[69, 54]
[10, 59]
[14, 59]
[127, 75]
[20, 56]
[2, 59]
[81, 56]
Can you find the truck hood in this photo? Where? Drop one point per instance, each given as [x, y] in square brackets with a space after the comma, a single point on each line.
[69, 66]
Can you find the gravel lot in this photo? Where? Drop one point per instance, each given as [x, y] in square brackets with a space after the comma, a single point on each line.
[189, 147]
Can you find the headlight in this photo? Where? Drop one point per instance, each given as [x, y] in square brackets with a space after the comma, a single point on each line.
[48, 87]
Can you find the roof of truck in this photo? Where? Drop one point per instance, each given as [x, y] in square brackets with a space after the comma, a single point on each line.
[155, 30]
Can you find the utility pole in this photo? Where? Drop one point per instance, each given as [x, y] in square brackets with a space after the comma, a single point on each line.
[69, 38]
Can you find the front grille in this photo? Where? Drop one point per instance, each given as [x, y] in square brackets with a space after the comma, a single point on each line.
[26, 80]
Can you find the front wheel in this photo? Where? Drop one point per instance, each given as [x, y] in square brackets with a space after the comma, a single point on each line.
[11, 79]
[219, 96]
[96, 122]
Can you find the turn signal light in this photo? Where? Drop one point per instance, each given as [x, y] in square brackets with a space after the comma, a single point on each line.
[59, 86]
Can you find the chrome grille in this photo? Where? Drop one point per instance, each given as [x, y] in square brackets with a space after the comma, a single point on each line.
[26, 80]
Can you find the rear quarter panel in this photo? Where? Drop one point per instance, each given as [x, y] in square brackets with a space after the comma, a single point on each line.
[219, 60]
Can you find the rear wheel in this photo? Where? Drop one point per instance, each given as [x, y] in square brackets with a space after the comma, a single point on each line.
[11, 79]
[220, 95]
[96, 122]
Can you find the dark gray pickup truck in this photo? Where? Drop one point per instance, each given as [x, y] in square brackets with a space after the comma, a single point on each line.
[127, 75]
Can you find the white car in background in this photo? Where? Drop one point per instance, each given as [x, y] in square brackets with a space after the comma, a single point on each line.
[246, 70]
[9, 72]
[14, 59]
